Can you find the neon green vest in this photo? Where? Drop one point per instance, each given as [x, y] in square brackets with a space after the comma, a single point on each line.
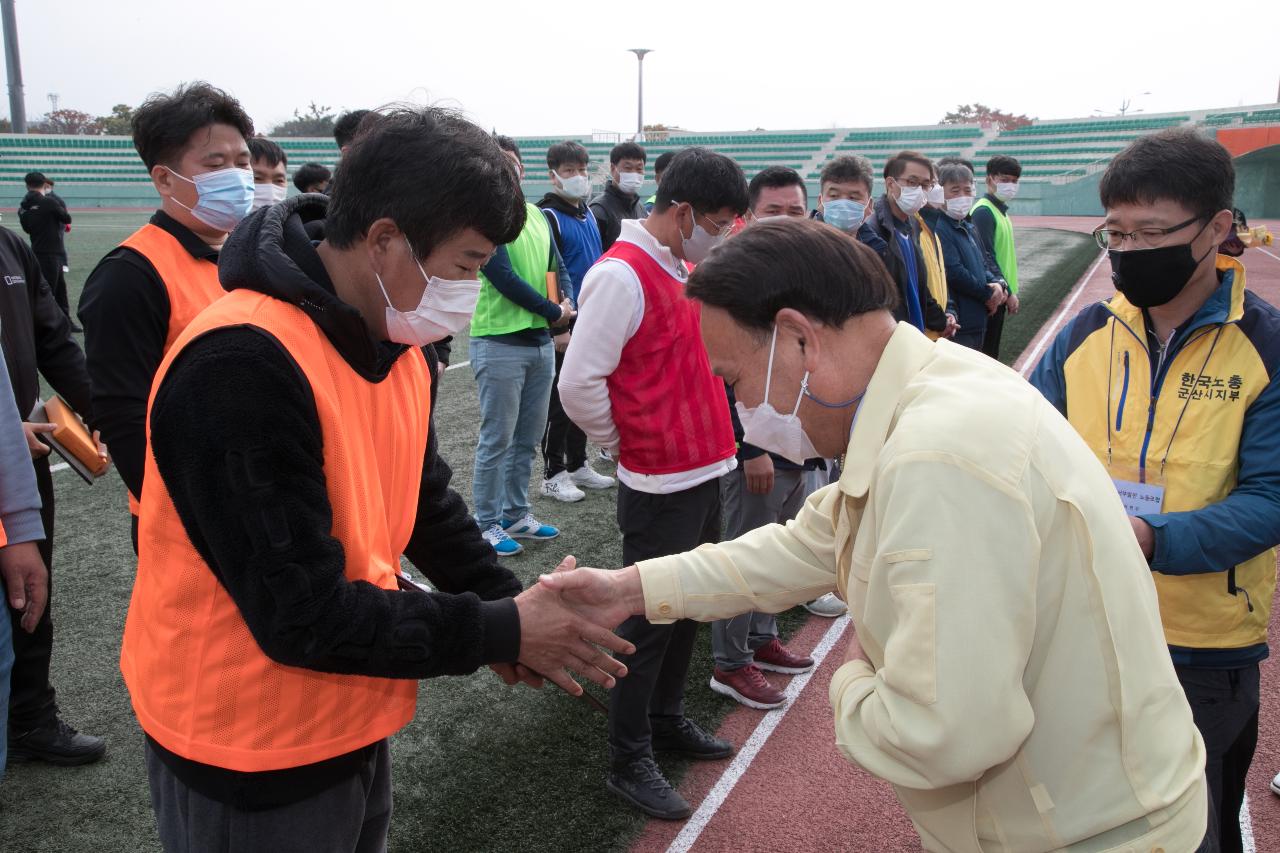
[530, 256]
[1005, 256]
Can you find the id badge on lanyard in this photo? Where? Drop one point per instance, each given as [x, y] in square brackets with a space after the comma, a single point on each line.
[1140, 491]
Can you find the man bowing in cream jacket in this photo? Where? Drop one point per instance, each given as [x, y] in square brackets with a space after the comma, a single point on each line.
[1008, 674]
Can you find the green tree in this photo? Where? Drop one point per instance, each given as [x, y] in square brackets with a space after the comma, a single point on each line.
[120, 122]
[982, 114]
[316, 121]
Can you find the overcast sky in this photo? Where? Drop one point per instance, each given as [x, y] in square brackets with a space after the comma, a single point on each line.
[557, 68]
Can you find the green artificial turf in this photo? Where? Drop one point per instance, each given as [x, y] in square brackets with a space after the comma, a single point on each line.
[483, 766]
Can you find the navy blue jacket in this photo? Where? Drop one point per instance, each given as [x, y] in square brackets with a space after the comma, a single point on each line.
[968, 277]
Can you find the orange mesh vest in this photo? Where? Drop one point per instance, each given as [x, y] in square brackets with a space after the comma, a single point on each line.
[190, 283]
[199, 682]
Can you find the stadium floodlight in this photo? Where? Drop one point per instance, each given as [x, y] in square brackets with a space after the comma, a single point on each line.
[640, 52]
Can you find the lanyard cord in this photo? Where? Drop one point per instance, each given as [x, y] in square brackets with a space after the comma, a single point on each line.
[1111, 360]
[1187, 402]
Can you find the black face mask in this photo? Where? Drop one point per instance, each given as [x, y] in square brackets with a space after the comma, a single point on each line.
[1152, 277]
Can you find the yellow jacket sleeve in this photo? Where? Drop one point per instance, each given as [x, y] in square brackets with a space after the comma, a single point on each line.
[769, 569]
[949, 622]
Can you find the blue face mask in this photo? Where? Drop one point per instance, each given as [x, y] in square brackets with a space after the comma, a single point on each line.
[223, 197]
[843, 213]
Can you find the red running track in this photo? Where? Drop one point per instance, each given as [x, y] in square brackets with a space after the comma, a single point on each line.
[799, 793]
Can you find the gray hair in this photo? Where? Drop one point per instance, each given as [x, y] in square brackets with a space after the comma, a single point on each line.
[955, 173]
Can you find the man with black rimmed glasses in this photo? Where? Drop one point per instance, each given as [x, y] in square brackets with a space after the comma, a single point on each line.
[1173, 384]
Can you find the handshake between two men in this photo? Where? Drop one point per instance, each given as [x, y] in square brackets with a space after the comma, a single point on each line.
[566, 625]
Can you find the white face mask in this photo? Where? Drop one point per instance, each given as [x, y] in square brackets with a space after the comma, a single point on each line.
[265, 195]
[910, 200]
[1006, 191]
[937, 195]
[700, 243]
[445, 309]
[959, 207]
[575, 188]
[630, 182]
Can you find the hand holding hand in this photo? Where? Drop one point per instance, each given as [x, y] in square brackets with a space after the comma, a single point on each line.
[1012, 304]
[604, 597]
[555, 638]
[515, 673]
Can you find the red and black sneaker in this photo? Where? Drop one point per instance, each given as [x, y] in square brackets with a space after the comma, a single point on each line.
[748, 686]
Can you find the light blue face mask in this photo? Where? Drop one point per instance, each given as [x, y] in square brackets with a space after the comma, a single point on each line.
[843, 213]
[223, 197]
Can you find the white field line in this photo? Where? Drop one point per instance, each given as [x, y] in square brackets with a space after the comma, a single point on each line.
[720, 791]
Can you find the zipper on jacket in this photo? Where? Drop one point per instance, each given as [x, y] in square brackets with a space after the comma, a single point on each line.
[1124, 393]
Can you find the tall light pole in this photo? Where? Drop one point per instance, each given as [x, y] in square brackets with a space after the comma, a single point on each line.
[640, 52]
[17, 105]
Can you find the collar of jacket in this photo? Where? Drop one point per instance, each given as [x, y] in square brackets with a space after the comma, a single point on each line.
[557, 202]
[1224, 305]
[903, 356]
[270, 252]
[189, 240]
[629, 202]
[995, 199]
[885, 221]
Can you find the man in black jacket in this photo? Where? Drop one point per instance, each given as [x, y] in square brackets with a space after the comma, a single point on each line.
[262, 515]
[36, 336]
[621, 197]
[45, 218]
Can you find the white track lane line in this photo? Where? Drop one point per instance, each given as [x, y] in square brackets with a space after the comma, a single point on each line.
[1047, 333]
[459, 364]
[1268, 254]
[1246, 828]
[720, 791]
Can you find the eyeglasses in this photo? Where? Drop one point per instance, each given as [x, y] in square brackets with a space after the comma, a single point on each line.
[925, 184]
[1143, 238]
[721, 231]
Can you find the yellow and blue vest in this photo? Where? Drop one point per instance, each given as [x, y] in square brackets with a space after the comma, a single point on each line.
[1203, 420]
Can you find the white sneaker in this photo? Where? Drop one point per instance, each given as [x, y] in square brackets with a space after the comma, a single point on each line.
[561, 488]
[828, 606]
[1275, 785]
[586, 478]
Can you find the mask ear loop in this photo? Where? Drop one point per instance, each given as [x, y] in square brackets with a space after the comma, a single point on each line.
[768, 375]
[384, 291]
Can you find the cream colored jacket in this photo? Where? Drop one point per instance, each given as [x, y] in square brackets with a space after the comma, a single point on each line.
[1022, 697]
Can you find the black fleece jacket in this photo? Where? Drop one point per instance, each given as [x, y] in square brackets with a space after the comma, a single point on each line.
[239, 447]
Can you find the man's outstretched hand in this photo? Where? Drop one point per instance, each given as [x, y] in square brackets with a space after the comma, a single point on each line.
[555, 638]
[604, 597]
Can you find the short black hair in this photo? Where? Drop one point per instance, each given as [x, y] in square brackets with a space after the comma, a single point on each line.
[345, 128]
[897, 164]
[165, 122]
[793, 263]
[261, 148]
[848, 169]
[36, 180]
[1003, 164]
[774, 176]
[431, 171]
[664, 160]
[310, 174]
[568, 151]
[627, 151]
[704, 179]
[956, 161]
[1176, 164]
[506, 143]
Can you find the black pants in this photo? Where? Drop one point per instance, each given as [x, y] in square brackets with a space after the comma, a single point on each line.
[353, 816]
[657, 526]
[564, 445]
[991, 340]
[1224, 703]
[31, 699]
[51, 267]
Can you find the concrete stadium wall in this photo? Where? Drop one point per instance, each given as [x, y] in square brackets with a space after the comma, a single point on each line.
[88, 195]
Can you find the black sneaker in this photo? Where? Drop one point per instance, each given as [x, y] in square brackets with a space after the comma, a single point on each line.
[55, 743]
[641, 783]
[687, 737]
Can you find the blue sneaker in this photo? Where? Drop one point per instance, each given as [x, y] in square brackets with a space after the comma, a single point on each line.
[529, 528]
[503, 544]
